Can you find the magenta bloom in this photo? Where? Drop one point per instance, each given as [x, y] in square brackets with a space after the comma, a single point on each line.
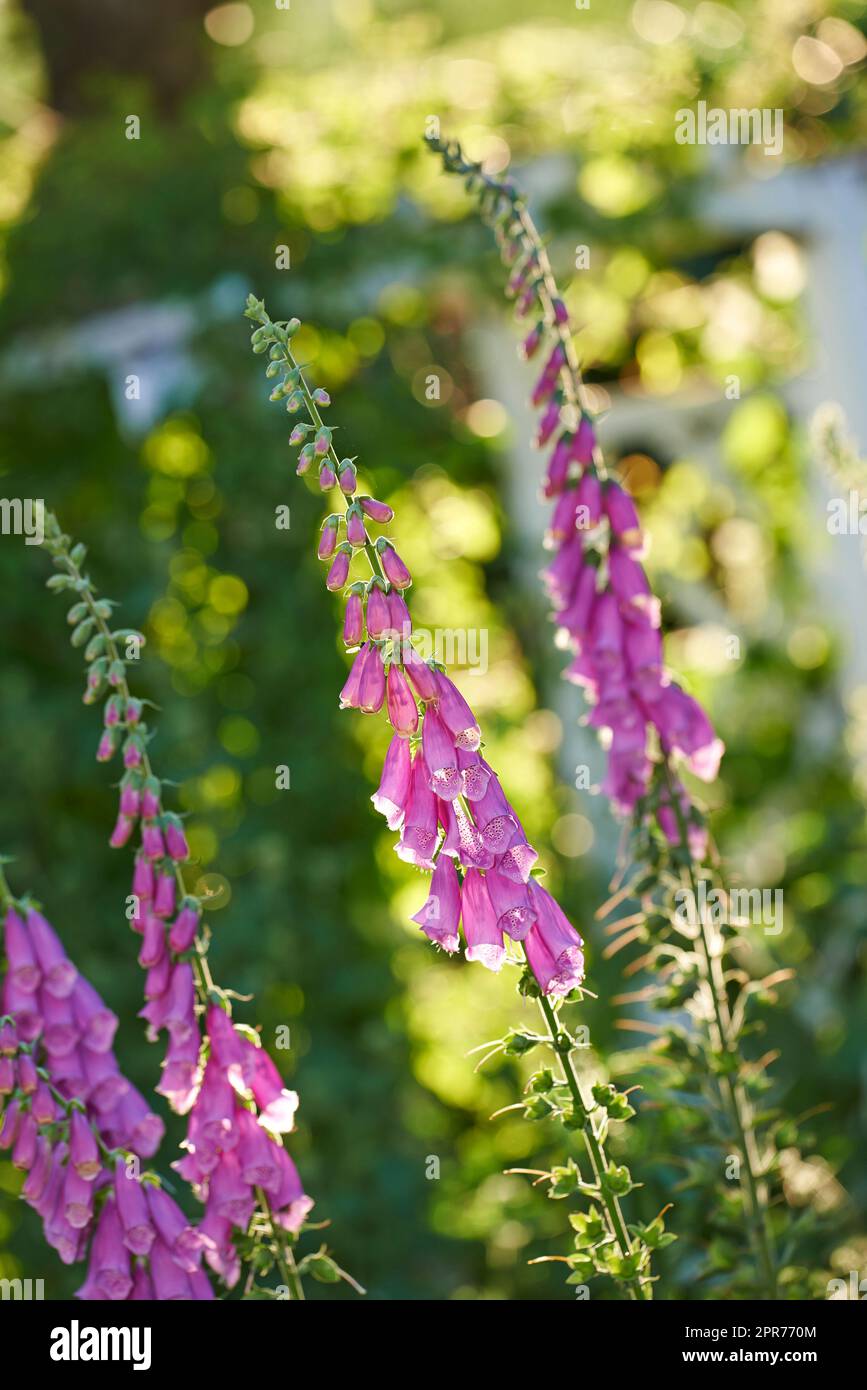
[292, 1203]
[400, 621]
[685, 728]
[153, 946]
[130, 798]
[9, 1124]
[353, 621]
[561, 576]
[621, 513]
[402, 708]
[143, 878]
[494, 816]
[563, 517]
[183, 930]
[180, 1077]
[339, 571]
[585, 442]
[107, 746]
[549, 422]
[277, 1105]
[180, 1014]
[553, 946]
[150, 798]
[172, 1227]
[133, 1125]
[103, 1080]
[176, 840]
[350, 693]
[419, 835]
[457, 715]
[396, 571]
[83, 1150]
[483, 937]
[24, 969]
[530, 345]
[171, 1284]
[559, 464]
[257, 1154]
[77, 1199]
[152, 840]
[60, 1034]
[164, 896]
[378, 613]
[440, 915]
[229, 1195]
[440, 756]
[391, 796]
[133, 1211]
[377, 511]
[142, 1286]
[371, 686]
[423, 677]
[24, 1149]
[629, 583]
[355, 532]
[475, 775]
[511, 904]
[7, 1076]
[462, 838]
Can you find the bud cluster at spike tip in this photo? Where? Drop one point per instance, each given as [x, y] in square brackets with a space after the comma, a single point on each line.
[75, 1126]
[601, 599]
[437, 789]
[237, 1105]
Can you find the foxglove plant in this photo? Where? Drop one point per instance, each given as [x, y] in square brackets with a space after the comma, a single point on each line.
[455, 822]
[79, 1130]
[607, 614]
[215, 1070]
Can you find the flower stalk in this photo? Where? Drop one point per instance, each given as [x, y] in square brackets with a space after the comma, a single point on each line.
[610, 619]
[452, 814]
[215, 1071]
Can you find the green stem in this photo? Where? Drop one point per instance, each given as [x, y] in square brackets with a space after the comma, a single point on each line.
[594, 1147]
[283, 1252]
[316, 417]
[733, 1094]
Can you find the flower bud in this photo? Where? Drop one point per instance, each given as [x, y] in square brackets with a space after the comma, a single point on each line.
[396, 571]
[328, 537]
[377, 511]
[339, 571]
[353, 621]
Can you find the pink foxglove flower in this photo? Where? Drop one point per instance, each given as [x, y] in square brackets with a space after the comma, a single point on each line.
[440, 915]
[402, 709]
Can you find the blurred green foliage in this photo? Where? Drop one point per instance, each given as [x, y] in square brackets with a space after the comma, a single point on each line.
[306, 132]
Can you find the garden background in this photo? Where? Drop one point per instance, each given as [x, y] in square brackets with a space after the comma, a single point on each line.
[263, 127]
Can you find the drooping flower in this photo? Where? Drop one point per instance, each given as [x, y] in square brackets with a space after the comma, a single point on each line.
[440, 915]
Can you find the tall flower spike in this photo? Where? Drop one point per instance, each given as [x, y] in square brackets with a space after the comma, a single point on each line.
[180, 993]
[434, 791]
[607, 614]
